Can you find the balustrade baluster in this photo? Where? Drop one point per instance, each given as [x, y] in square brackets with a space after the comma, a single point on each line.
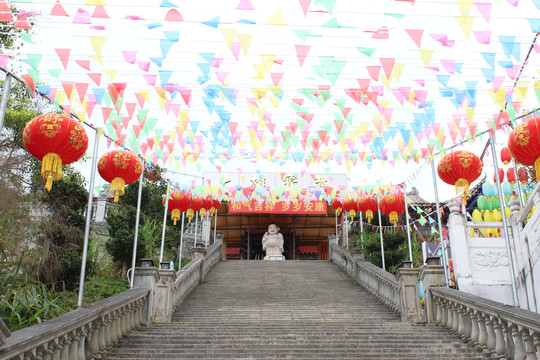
[536, 341]
[461, 329]
[455, 318]
[438, 310]
[475, 332]
[491, 337]
[467, 323]
[500, 343]
[74, 345]
[530, 349]
[66, 345]
[519, 348]
[482, 331]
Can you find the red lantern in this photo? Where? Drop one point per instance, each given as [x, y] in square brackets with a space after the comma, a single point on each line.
[349, 205]
[337, 205]
[55, 140]
[511, 176]
[392, 205]
[206, 205]
[460, 168]
[195, 204]
[523, 175]
[215, 205]
[501, 175]
[524, 143]
[120, 168]
[505, 155]
[368, 206]
[178, 203]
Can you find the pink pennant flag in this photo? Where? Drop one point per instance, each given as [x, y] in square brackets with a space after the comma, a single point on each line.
[302, 52]
[276, 78]
[305, 5]
[420, 82]
[449, 65]
[245, 5]
[63, 54]
[150, 79]
[58, 10]
[144, 65]
[485, 10]
[173, 15]
[96, 77]
[4, 59]
[222, 76]
[374, 72]
[81, 90]
[387, 65]
[5, 12]
[99, 12]
[130, 56]
[82, 17]
[483, 37]
[85, 64]
[22, 23]
[235, 49]
[416, 35]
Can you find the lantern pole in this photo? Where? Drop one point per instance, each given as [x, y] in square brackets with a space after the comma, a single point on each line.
[505, 226]
[361, 229]
[335, 212]
[181, 242]
[446, 268]
[5, 98]
[134, 258]
[196, 226]
[407, 217]
[518, 184]
[88, 217]
[380, 229]
[164, 226]
[215, 226]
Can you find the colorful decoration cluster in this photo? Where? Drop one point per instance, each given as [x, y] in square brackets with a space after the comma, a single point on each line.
[181, 201]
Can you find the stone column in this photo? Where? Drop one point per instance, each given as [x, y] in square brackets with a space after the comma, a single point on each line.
[431, 275]
[457, 233]
[411, 311]
[163, 302]
[199, 253]
[147, 278]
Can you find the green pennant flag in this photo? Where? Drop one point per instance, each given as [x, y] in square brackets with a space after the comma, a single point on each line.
[366, 51]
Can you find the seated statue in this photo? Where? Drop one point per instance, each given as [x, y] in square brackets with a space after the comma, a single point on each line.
[272, 243]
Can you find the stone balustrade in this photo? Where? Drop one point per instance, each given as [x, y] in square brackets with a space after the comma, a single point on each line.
[378, 282]
[505, 331]
[81, 334]
[87, 332]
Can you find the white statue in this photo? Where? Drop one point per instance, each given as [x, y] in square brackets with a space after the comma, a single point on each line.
[272, 243]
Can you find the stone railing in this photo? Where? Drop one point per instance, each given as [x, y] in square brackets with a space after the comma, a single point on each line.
[381, 284]
[505, 331]
[171, 288]
[81, 334]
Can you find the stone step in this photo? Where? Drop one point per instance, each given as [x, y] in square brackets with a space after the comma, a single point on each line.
[287, 310]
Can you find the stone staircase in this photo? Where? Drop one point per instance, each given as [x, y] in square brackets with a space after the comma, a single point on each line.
[287, 310]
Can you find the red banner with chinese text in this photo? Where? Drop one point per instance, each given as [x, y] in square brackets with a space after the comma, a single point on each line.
[280, 207]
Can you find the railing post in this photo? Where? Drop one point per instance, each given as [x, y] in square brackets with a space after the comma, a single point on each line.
[147, 278]
[411, 310]
[457, 233]
[163, 303]
[431, 275]
[199, 253]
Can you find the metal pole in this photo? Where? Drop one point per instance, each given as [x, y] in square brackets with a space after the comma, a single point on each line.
[380, 228]
[88, 217]
[5, 98]
[335, 212]
[210, 224]
[446, 268]
[181, 242]
[249, 238]
[346, 234]
[361, 229]
[164, 225]
[505, 226]
[215, 226]
[136, 237]
[196, 227]
[518, 185]
[407, 216]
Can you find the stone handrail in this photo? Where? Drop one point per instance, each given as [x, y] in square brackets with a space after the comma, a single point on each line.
[213, 256]
[529, 204]
[504, 330]
[378, 282]
[81, 334]
[187, 279]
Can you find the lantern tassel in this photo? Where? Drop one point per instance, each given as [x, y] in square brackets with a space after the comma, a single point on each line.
[352, 214]
[462, 187]
[175, 215]
[117, 188]
[51, 169]
[394, 217]
[190, 213]
[369, 216]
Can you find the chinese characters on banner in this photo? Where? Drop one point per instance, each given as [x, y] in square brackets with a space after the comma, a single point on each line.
[280, 207]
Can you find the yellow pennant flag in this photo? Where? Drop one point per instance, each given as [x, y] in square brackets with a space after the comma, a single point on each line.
[426, 56]
[466, 24]
[276, 19]
[229, 35]
[97, 43]
[245, 42]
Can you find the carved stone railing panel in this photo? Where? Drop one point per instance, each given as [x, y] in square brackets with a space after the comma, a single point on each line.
[378, 282]
[81, 334]
[504, 330]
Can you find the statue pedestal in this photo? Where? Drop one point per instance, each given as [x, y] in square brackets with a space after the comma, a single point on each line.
[274, 257]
